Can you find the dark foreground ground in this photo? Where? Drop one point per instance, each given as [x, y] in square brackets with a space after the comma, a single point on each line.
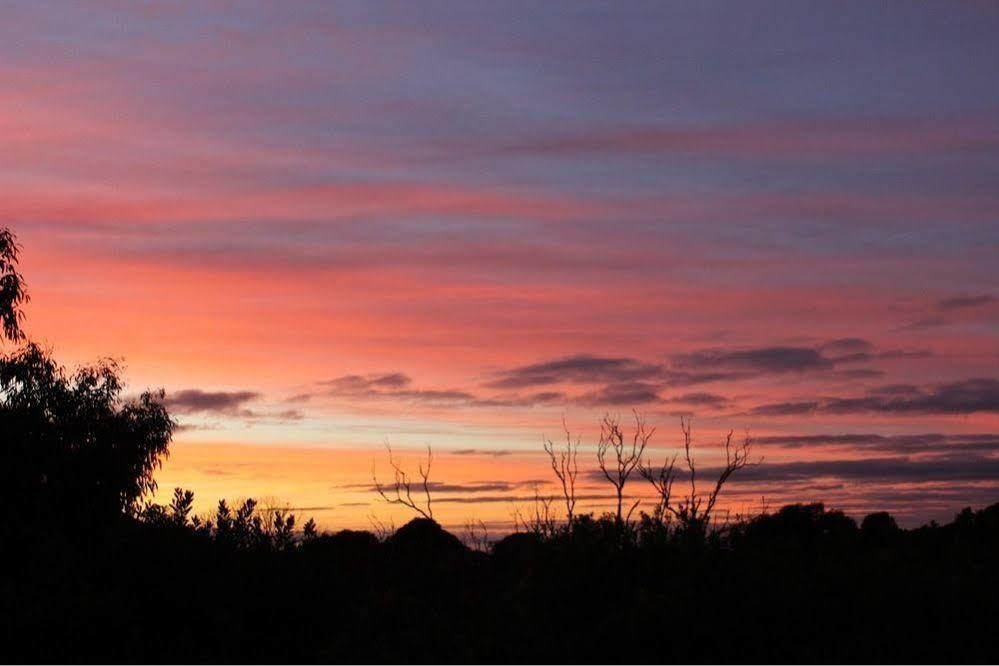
[800, 585]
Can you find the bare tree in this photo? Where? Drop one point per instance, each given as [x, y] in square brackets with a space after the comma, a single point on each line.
[541, 520]
[566, 469]
[476, 535]
[626, 458]
[694, 510]
[382, 529]
[402, 487]
[662, 479]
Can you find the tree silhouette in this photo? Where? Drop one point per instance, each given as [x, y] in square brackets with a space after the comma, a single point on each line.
[12, 289]
[73, 448]
[626, 458]
[565, 468]
[72, 444]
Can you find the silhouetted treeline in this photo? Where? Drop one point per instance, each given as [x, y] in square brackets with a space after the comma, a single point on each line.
[94, 572]
[803, 584]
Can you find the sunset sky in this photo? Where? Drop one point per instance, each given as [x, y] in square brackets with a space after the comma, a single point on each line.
[321, 227]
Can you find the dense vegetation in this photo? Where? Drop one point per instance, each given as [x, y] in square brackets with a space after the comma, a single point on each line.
[95, 573]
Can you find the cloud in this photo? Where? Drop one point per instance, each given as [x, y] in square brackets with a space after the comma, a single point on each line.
[354, 384]
[481, 452]
[580, 369]
[619, 380]
[774, 139]
[894, 469]
[392, 386]
[860, 373]
[758, 360]
[626, 393]
[935, 444]
[513, 499]
[687, 378]
[848, 345]
[932, 321]
[963, 302]
[950, 310]
[232, 404]
[785, 408]
[593, 380]
[777, 360]
[700, 399]
[963, 397]
[442, 488]
[196, 401]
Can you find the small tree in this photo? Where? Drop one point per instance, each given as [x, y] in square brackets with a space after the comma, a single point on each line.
[626, 458]
[402, 487]
[566, 469]
[309, 530]
[180, 506]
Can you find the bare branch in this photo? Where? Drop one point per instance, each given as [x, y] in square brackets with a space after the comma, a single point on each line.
[565, 468]
[401, 491]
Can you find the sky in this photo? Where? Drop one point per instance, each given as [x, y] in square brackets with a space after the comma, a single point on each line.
[324, 227]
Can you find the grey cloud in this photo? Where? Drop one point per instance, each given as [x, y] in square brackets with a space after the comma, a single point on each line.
[493, 499]
[963, 397]
[848, 345]
[360, 384]
[196, 401]
[628, 393]
[935, 444]
[963, 302]
[687, 378]
[393, 386]
[924, 322]
[949, 310]
[896, 469]
[785, 408]
[763, 359]
[456, 488]
[481, 452]
[860, 373]
[581, 368]
[700, 399]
